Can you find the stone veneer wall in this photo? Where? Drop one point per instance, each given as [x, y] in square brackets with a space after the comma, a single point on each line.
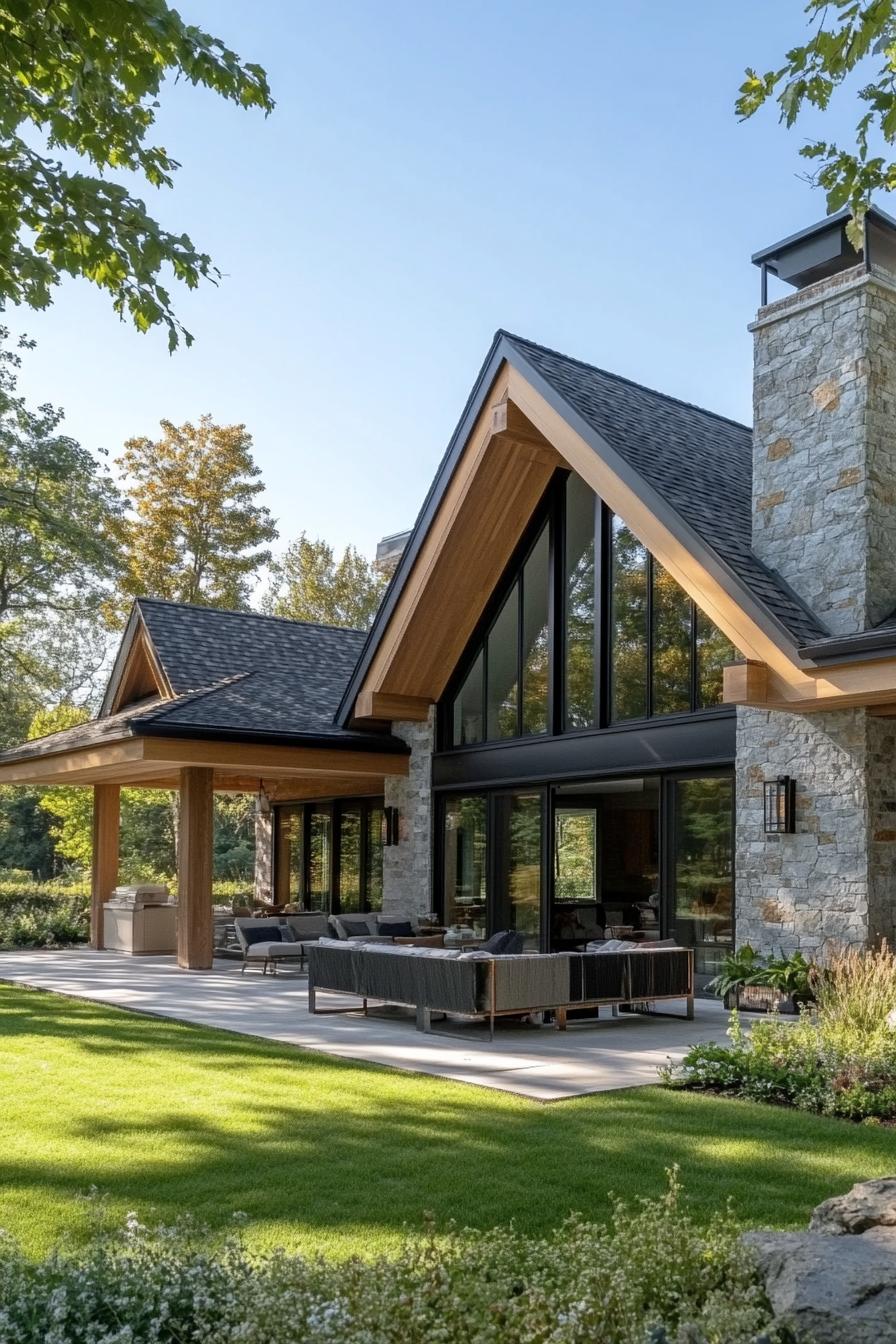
[824, 449]
[834, 880]
[407, 866]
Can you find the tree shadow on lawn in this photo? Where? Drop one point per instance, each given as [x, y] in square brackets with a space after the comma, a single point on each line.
[324, 1153]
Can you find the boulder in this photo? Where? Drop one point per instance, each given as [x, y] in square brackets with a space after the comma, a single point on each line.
[833, 1290]
[868, 1204]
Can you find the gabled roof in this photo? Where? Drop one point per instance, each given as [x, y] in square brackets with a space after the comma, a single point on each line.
[700, 463]
[692, 464]
[233, 675]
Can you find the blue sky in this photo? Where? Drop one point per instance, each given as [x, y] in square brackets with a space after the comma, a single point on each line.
[572, 171]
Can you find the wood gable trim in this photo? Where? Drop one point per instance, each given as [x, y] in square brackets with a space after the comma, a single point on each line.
[138, 673]
[518, 439]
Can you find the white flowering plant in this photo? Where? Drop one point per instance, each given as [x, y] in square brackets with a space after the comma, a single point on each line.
[652, 1275]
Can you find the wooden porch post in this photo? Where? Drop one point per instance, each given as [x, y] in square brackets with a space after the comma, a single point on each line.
[104, 864]
[194, 869]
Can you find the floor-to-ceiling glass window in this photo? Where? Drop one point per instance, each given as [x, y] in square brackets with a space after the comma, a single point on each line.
[329, 855]
[289, 855]
[580, 707]
[628, 637]
[502, 669]
[349, 866]
[702, 877]
[519, 864]
[671, 615]
[464, 861]
[373, 868]
[536, 648]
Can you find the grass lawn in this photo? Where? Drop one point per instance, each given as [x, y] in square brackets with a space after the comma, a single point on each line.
[328, 1155]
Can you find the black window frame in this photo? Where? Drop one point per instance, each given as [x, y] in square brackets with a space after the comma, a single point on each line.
[366, 804]
[551, 513]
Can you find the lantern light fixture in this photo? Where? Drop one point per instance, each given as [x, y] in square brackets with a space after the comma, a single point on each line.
[779, 800]
[390, 825]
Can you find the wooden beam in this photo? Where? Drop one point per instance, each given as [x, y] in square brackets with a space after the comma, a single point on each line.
[272, 761]
[511, 426]
[104, 860]
[382, 705]
[194, 870]
[745, 683]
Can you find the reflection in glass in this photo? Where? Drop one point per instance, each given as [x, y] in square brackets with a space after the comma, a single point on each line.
[319, 860]
[714, 650]
[579, 603]
[519, 878]
[467, 712]
[374, 893]
[703, 869]
[628, 672]
[350, 859]
[575, 856]
[502, 659]
[464, 861]
[671, 644]
[290, 855]
[535, 638]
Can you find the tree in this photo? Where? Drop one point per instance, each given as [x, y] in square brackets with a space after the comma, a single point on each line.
[84, 76]
[197, 527]
[308, 583]
[847, 34]
[58, 512]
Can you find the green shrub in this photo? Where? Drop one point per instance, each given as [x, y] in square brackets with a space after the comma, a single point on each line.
[35, 915]
[839, 1058]
[652, 1275]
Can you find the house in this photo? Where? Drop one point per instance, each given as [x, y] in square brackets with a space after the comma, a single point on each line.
[635, 669]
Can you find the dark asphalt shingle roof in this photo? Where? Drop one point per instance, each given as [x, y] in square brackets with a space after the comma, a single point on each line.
[234, 674]
[699, 462]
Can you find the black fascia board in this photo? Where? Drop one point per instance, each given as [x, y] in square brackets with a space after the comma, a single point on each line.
[862, 647]
[335, 741]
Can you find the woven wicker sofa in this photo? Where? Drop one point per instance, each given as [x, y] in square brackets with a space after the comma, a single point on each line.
[471, 985]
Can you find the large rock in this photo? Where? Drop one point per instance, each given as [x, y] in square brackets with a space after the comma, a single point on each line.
[868, 1204]
[833, 1290]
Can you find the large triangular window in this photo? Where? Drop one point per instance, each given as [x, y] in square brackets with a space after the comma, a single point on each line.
[587, 630]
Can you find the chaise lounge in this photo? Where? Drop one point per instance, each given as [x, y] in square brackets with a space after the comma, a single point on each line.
[476, 984]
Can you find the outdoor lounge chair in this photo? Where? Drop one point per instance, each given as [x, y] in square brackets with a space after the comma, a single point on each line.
[267, 943]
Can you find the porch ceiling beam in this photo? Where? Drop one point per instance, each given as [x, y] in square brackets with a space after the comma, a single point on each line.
[258, 759]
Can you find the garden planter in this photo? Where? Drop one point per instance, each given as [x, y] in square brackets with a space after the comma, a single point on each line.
[764, 999]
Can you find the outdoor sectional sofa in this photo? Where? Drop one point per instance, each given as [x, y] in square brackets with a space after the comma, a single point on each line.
[471, 984]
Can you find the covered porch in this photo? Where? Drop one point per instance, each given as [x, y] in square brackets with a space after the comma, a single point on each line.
[106, 756]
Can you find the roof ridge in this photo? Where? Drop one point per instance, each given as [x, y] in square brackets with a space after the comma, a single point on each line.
[620, 378]
[257, 615]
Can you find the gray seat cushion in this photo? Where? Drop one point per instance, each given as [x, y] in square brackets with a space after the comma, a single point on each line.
[273, 950]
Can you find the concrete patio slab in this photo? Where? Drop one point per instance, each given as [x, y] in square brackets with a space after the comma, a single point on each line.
[534, 1062]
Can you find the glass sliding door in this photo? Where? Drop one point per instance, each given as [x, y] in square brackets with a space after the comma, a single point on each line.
[349, 866]
[289, 855]
[702, 868]
[320, 842]
[373, 870]
[464, 853]
[519, 865]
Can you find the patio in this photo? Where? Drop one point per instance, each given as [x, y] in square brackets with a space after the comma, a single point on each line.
[538, 1063]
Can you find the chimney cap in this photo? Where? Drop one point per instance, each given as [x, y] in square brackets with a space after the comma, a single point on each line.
[823, 249]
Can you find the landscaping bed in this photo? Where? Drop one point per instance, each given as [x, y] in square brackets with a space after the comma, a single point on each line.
[651, 1274]
[838, 1058]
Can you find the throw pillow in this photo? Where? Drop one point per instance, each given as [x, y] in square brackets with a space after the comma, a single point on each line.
[399, 929]
[266, 933]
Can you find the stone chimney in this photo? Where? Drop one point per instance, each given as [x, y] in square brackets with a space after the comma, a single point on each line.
[824, 403]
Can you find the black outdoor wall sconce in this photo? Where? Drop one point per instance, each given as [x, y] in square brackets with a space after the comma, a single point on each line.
[390, 825]
[780, 796]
